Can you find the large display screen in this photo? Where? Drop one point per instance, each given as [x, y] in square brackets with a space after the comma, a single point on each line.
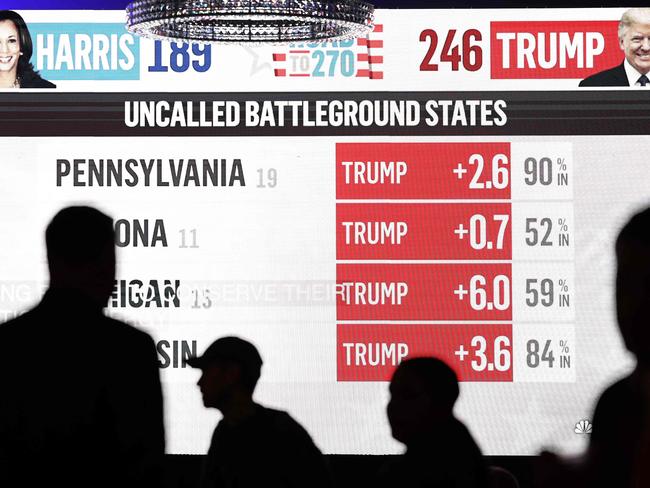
[441, 187]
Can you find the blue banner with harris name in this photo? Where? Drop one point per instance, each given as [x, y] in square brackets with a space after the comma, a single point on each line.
[85, 51]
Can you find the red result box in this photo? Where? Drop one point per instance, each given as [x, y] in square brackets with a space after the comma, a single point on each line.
[553, 49]
[372, 352]
[423, 171]
[423, 231]
[423, 292]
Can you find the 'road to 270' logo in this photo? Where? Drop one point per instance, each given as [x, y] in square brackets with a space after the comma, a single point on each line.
[353, 58]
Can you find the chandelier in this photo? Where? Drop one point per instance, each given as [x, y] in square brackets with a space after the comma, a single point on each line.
[249, 21]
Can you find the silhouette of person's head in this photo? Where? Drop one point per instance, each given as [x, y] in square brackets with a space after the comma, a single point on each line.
[230, 369]
[423, 393]
[80, 245]
[633, 285]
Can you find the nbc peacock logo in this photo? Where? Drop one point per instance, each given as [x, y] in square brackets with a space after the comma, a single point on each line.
[583, 427]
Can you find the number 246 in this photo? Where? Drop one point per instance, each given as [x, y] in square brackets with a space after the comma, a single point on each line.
[468, 53]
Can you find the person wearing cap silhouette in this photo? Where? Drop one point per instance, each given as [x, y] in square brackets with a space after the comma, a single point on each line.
[252, 446]
[80, 395]
[440, 451]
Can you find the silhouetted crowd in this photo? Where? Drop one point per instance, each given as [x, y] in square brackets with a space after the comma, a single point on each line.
[71, 417]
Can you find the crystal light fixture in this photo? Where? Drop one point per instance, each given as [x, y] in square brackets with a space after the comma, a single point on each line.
[249, 21]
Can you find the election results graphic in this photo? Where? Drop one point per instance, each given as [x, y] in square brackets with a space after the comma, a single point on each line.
[497, 49]
[439, 187]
